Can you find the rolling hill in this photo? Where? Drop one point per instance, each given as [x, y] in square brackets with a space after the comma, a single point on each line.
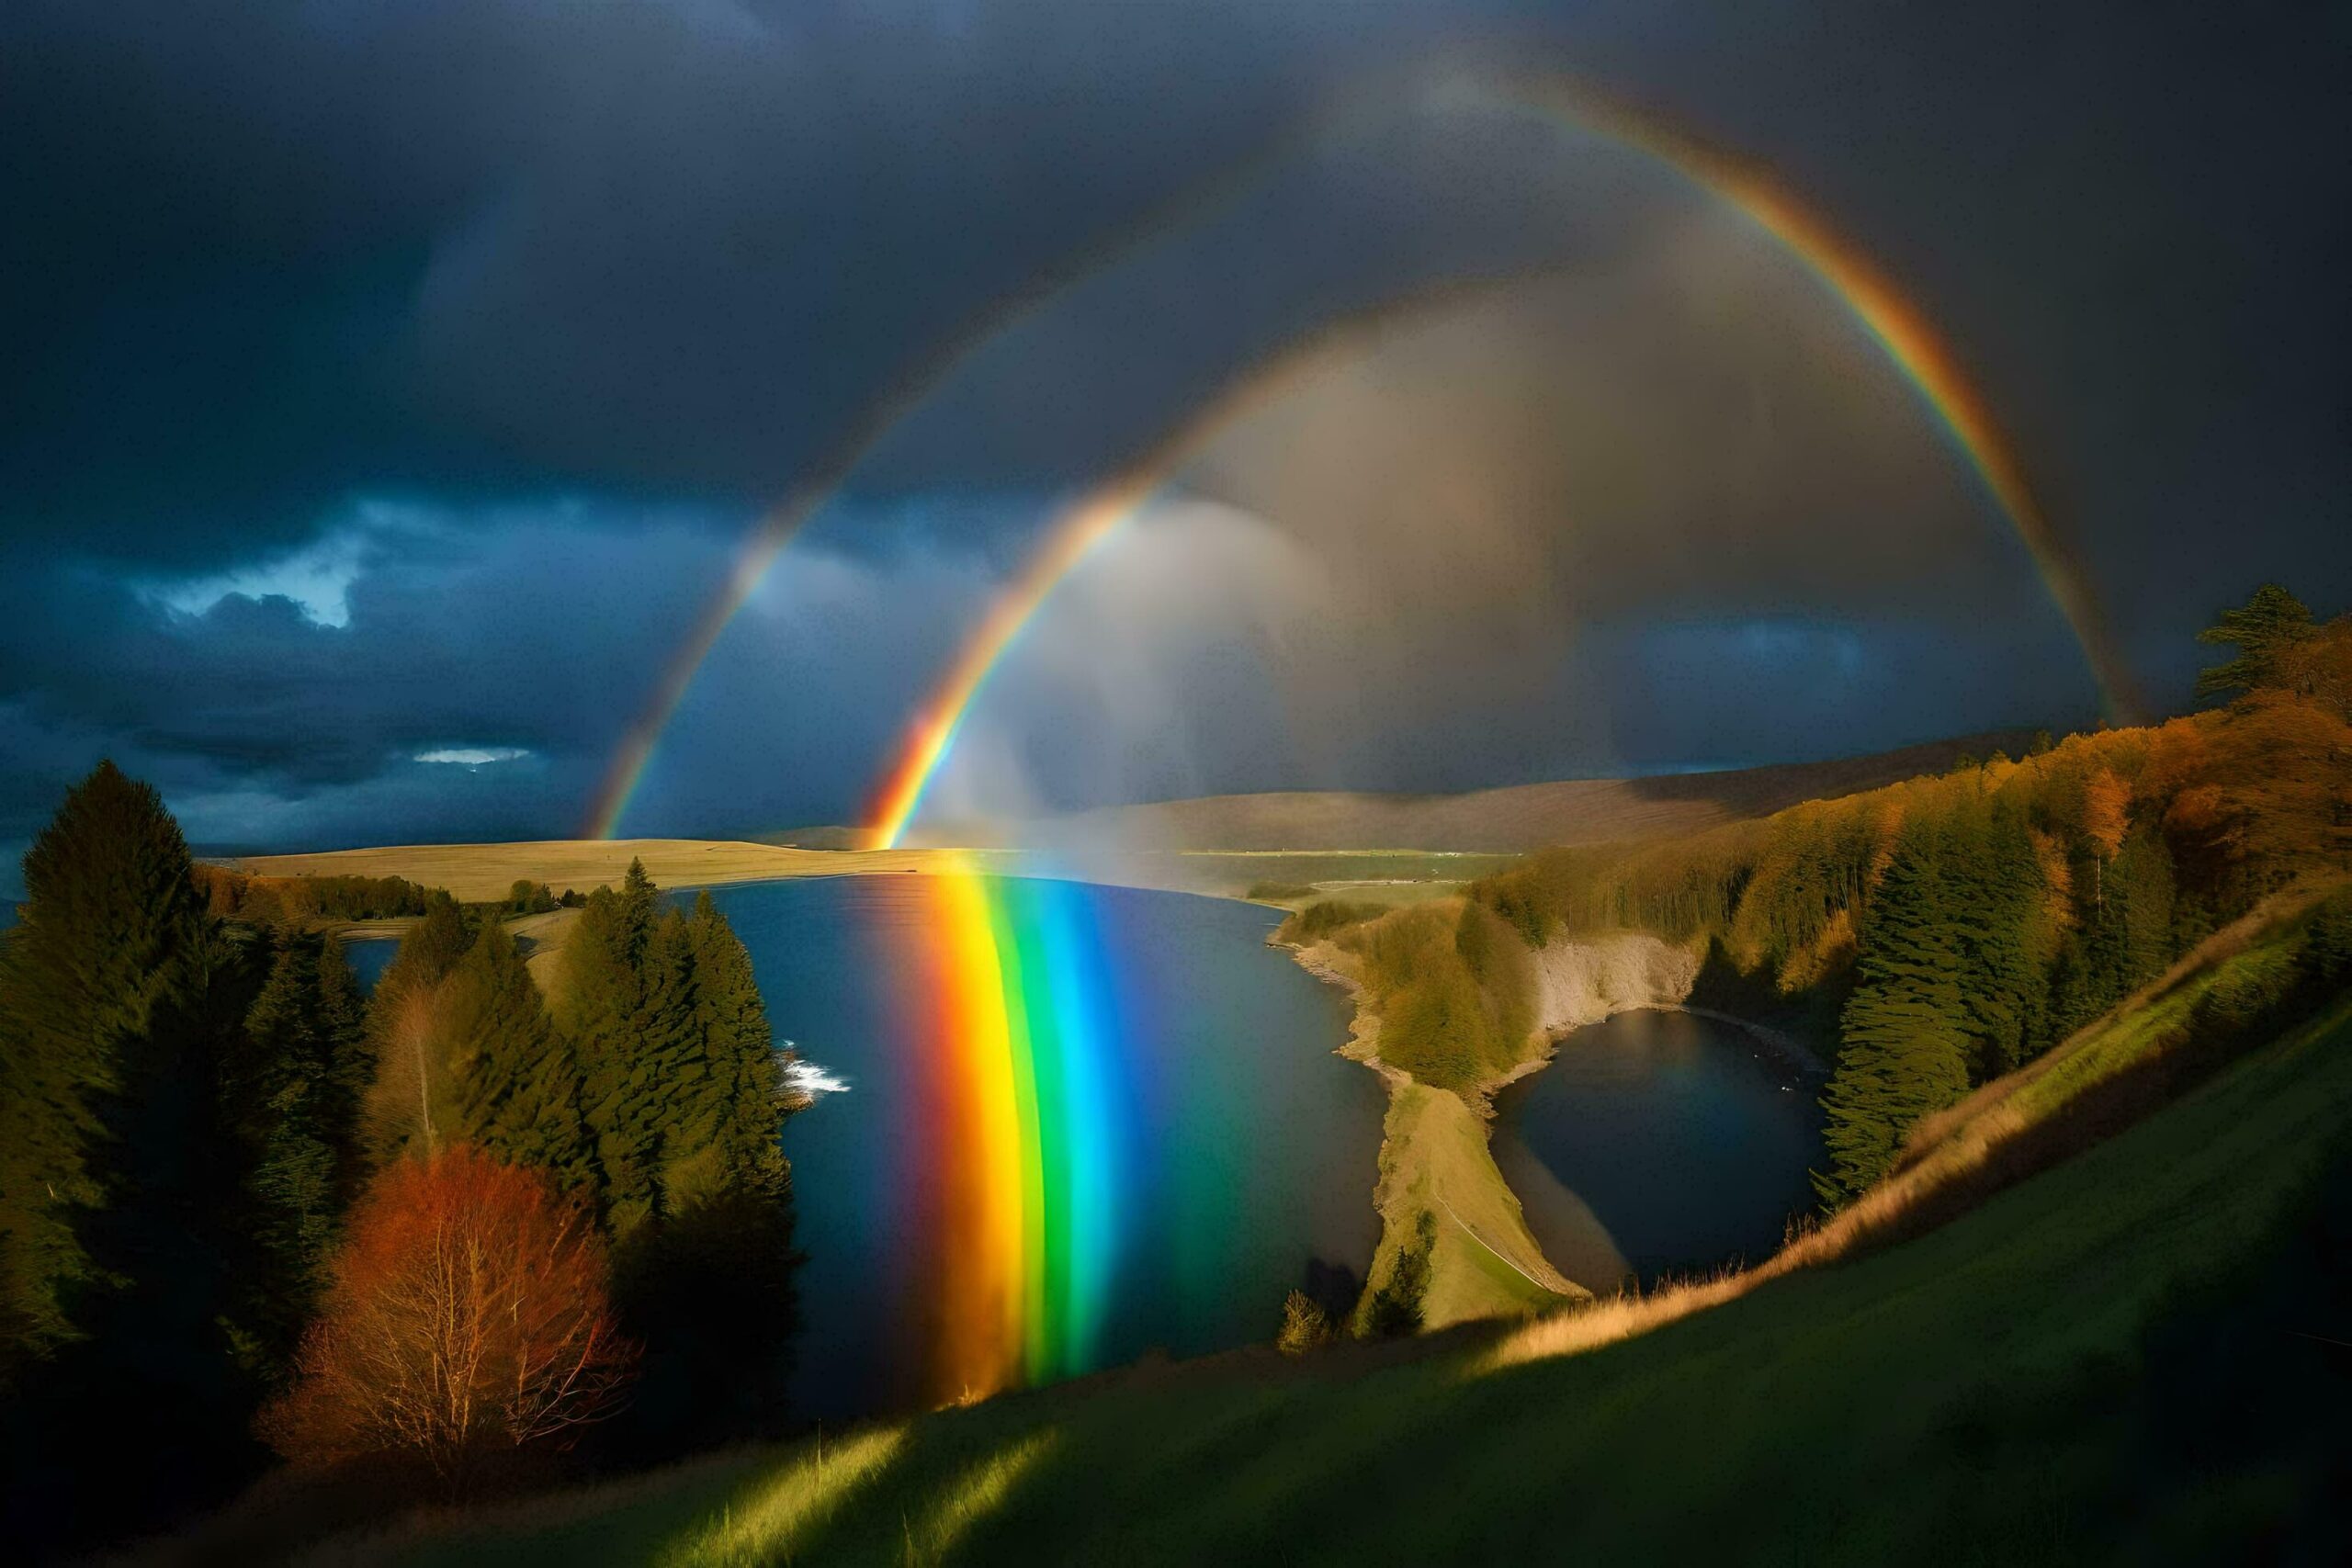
[1522, 817]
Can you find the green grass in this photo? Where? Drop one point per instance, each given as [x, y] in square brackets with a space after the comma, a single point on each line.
[1991, 1392]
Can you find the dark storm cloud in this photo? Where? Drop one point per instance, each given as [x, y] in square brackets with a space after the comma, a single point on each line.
[523, 630]
[259, 263]
[256, 254]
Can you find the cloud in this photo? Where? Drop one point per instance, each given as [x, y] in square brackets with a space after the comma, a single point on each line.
[473, 756]
[386, 381]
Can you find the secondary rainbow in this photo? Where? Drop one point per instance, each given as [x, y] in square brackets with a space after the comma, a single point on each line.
[910, 391]
[1902, 331]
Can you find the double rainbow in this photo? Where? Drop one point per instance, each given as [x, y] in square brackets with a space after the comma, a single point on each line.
[1031, 1116]
[1901, 329]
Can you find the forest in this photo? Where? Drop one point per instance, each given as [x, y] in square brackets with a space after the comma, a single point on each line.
[413, 1243]
[1935, 934]
[1960, 925]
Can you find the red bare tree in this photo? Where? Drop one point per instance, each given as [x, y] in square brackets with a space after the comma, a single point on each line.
[467, 1315]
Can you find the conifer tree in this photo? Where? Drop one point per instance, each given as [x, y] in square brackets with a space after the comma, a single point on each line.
[1905, 1031]
[111, 951]
[278, 1103]
[118, 1180]
[1993, 897]
[596, 1000]
[515, 1082]
[350, 1062]
[2264, 630]
[742, 1099]
[709, 1281]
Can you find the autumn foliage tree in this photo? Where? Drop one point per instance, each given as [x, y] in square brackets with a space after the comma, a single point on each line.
[466, 1316]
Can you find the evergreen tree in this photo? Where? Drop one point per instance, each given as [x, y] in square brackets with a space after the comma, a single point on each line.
[709, 1280]
[350, 1058]
[2263, 630]
[278, 1102]
[1904, 1033]
[1993, 884]
[742, 1098]
[515, 1082]
[596, 1001]
[118, 999]
[110, 948]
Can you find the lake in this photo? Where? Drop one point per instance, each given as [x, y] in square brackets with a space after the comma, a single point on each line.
[1659, 1142]
[369, 957]
[1241, 1153]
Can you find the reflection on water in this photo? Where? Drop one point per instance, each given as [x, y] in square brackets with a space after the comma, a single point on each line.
[1256, 1148]
[1659, 1142]
[369, 957]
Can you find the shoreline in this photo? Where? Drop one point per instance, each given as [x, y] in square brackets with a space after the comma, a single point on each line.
[1437, 1143]
[1436, 1158]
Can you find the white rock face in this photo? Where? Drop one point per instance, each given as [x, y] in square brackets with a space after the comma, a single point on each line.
[1578, 983]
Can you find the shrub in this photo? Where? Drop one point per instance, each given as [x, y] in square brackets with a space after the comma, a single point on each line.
[1395, 1310]
[466, 1316]
[1320, 920]
[1304, 1324]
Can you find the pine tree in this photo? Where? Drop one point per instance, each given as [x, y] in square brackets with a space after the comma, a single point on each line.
[709, 1282]
[743, 1102]
[2263, 630]
[110, 951]
[595, 1002]
[514, 1080]
[350, 1056]
[1992, 883]
[1905, 1041]
[119, 1181]
[278, 1101]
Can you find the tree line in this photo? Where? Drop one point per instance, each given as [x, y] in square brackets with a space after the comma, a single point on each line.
[1967, 923]
[438, 1229]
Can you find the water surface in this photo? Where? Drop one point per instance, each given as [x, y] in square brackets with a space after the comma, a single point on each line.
[369, 957]
[1659, 1142]
[1259, 1147]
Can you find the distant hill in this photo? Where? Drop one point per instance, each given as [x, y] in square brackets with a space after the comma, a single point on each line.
[1523, 816]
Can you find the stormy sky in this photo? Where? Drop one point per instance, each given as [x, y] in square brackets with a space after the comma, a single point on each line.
[386, 387]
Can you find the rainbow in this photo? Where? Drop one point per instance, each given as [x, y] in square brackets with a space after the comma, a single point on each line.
[909, 392]
[1031, 1119]
[1078, 528]
[1898, 327]
[1900, 330]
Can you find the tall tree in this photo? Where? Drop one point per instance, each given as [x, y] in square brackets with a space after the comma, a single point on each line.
[1905, 1045]
[514, 1080]
[595, 1002]
[1994, 885]
[398, 1114]
[709, 1282]
[279, 1103]
[350, 1059]
[2263, 630]
[118, 1180]
[110, 948]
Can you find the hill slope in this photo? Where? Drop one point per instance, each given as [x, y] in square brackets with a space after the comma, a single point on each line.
[1523, 816]
[2135, 1355]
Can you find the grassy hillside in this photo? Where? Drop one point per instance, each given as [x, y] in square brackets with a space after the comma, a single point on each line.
[2136, 1354]
[485, 872]
[1522, 816]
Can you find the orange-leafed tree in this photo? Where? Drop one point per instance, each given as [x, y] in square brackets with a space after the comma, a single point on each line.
[466, 1315]
[2106, 817]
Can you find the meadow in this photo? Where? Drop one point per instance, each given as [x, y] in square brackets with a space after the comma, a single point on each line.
[2035, 1378]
